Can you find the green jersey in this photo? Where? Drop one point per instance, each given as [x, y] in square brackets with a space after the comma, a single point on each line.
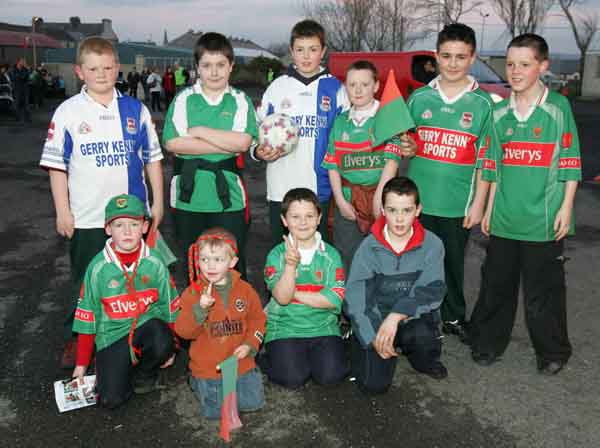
[233, 112]
[539, 153]
[350, 152]
[324, 274]
[452, 138]
[105, 307]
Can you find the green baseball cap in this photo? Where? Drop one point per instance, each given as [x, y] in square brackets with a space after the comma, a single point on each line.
[124, 206]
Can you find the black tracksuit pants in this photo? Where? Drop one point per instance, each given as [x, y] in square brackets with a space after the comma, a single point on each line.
[540, 266]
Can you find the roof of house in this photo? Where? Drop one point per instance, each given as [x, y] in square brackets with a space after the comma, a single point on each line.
[127, 53]
[242, 47]
[26, 39]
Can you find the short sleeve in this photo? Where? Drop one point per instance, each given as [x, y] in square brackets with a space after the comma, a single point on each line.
[329, 161]
[58, 146]
[391, 149]
[87, 307]
[334, 290]
[274, 266]
[176, 122]
[569, 164]
[251, 127]
[151, 151]
[487, 139]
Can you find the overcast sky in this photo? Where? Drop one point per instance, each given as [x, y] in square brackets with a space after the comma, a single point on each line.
[264, 21]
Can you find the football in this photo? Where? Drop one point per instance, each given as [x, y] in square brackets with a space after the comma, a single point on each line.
[279, 132]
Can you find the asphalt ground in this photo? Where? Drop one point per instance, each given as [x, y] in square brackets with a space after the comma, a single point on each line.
[506, 405]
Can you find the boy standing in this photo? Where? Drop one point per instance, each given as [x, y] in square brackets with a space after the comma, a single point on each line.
[454, 130]
[529, 213]
[313, 98]
[127, 306]
[223, 316]
[394, 292]
[306, 278]
[98, 144]
[207, 126]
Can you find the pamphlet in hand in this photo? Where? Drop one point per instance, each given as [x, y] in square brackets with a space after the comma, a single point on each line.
[69, 394]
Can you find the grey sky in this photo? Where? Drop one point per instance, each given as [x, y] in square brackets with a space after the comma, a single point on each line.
[264, 21]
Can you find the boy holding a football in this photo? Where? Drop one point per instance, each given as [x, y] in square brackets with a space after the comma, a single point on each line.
[206, 127]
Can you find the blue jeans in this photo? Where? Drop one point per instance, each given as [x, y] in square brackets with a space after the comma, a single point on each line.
[250, 394]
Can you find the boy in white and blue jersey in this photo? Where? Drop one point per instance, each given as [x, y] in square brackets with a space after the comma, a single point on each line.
[98, 144]
[313, 98]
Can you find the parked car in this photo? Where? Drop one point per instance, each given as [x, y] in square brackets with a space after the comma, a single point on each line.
[410, 72]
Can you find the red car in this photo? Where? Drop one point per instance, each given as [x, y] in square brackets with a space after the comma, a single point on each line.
[410, 72]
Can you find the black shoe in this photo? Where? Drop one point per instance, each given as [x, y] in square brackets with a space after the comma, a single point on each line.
[484, 359]
[457, 328]
[437, 372]
[546, 367]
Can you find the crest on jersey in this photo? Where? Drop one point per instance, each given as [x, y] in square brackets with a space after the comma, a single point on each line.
[467, 120]
[509, 132]
[426, 115]
[114, 283]
[240, 305]
[131, 125]
[286, 103]
[537, 131]
[84, 128]
[145, 279]
[345, 137]
[325, 103]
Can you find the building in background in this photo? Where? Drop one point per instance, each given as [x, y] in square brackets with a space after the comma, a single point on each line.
[17, 41]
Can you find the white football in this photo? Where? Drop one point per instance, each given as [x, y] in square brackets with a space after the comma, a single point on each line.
[279, 132]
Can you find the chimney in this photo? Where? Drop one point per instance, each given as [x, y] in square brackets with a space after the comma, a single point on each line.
[107, 27]
[75, 22]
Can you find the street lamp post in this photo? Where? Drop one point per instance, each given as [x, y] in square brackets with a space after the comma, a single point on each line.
[484, 15]
[33, 22]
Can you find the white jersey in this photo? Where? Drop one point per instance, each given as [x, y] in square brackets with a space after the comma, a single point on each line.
[103, 150]
[313, 106]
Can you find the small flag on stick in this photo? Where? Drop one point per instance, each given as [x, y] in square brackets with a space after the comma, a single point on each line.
[393, 116]
[230, 418]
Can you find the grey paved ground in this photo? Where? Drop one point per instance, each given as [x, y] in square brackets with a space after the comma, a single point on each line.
[507, 405]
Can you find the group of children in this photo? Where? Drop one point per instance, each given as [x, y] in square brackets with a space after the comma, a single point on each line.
[512, 166]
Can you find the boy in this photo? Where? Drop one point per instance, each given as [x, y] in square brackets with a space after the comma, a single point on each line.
[98, 144]
[207, 126]
[127, 306]
[529, 213]
[394, 292]
[313, 97]
[454, 130]
[223, 316]
[306, 280]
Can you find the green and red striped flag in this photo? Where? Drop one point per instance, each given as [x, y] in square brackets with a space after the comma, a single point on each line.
[230, 419]
[158, 243]
[393, 116]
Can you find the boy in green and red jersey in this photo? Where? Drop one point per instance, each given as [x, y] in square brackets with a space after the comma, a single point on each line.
[454, 131]
[127, 308]
[529, 213]
[207, 126]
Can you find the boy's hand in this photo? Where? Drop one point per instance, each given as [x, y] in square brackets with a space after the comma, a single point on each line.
[485, 222]
[79, 373]
[384, 340]
[268, 153]
[158, 212]
[561, 223]
[408, 145]
[292, 254]
[169, 362]
[346, 210]
[242, 351]
[206, 299]
[474, 216]
[65, 224]
[377, 206]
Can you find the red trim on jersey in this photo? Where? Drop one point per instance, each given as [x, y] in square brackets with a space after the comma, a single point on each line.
[489, 164]
[569, 163]
[484, 148]
[309, 288]
[340, 275]
[340, 292]
[366, 145]
[175, 305]
[528, 154]
[84, 315]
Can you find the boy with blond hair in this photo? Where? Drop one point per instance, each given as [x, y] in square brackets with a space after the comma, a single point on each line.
[100, 143]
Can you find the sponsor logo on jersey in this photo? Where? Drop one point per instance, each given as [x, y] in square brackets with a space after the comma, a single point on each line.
[537, 132]
[226, 114]
[286, 103]
[84, 315]
[50, 131]
[489, 164]
[84, 128]
[131, 125]
[509, 132]
[447, 110]
[570, 163]
[114, 283]
[345, 137]
[240, 305]
[567, 140]
[258, 335]
[145, 279]
[446, 145]
[306, 93]
[527, 154]
[106, 117]
[325, 103]
[467, 120]
[124, 306]
[226, 327]
[426, 115]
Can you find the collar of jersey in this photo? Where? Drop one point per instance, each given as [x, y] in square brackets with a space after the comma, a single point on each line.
[435, 85]
[111, 257]
[359, 117]
[307, 255]
[541, 99]
[116, 94]
[198, 89]
[293, 72]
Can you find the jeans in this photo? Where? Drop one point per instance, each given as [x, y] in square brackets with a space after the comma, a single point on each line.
[209, 392]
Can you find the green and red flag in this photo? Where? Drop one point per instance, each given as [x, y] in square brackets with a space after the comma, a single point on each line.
[393, 116]
[230, 418]
[155, 241]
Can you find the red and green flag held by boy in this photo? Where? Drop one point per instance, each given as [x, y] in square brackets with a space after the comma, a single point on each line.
[230, 418]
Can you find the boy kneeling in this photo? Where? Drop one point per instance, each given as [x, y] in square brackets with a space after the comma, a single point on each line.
[223, 316]
[127, 305]
[394, 292]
